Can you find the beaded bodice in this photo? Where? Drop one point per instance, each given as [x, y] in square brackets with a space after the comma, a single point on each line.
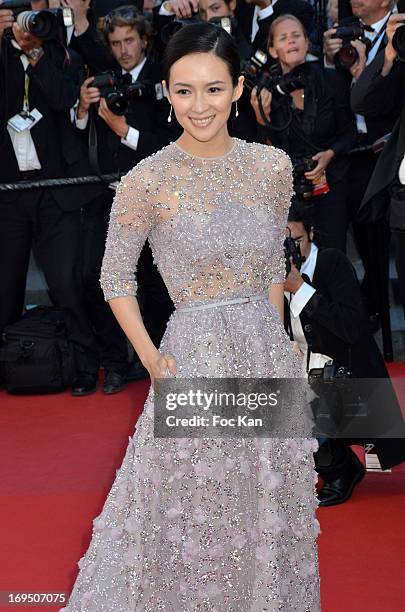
[216, 225]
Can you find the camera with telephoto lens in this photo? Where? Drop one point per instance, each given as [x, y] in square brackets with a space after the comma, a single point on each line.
[45, 24]
[119, 90]
[253, 70]
[303, 187]
[398, 42]
[284, 84]
[256, 75]
[292, 251]
[349, 30]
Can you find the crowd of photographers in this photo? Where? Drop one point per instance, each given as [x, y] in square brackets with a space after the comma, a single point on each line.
[81, 95]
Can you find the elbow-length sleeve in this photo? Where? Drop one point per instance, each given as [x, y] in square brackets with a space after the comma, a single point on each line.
[282, 190]
[131, 220]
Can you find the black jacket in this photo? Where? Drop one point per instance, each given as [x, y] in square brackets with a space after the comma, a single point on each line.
[53, 90]
[335, 324]
[244, 14]
[381, 98]
[334, 320]
[326, 120]
[148, 115]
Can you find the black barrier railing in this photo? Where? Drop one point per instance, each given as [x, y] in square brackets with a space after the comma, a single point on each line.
[60, 182]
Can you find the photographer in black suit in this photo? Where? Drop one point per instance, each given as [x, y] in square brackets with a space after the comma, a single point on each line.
[123, 139]
[325, 315]
[373, 15]
[39, 77]
[256, 17]
[377, 93]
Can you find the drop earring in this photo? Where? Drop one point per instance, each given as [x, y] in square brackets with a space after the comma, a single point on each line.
[169, 119]
[236, 109]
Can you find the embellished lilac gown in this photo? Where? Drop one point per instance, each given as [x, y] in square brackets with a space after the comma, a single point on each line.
[207, 524]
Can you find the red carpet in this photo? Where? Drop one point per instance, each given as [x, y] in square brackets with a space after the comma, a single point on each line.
[58, 457]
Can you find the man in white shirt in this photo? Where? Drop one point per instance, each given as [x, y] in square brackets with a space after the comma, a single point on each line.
[38, 86]
[122, 141]
[327, 314]
[335, 461]
[381, 89]
[256, 17]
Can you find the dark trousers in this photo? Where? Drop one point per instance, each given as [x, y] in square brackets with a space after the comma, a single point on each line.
[332, 458]
[397, 223]
[113, 346]
[34, 220]
[367, 233]
[329, 213]
[154, 300]
[398, 238]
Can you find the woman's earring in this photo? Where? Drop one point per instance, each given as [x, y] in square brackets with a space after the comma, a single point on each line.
[169, 119]
[236, 109]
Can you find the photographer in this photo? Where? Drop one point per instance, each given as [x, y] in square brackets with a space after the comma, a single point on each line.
[127, 35]
[256, 17]
[125, 135]
[207, 10]
[39, 83]
[377, 93]
[372, 16]
[313, 123]
[325, 315]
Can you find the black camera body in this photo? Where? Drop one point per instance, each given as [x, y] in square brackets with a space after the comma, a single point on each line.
[256, 75]
[398, 42]
[177, 24]
[284, 84]
[302, 186]
[253, 69]
[349, 30]
[292, 252]
[119, 90]
[45, 24]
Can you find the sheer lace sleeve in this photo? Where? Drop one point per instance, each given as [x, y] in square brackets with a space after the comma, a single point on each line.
[282, 188]
[131, 221]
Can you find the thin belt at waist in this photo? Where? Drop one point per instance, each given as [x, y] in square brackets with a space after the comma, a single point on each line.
[239, 300]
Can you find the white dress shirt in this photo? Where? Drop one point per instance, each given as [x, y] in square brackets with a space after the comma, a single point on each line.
[23, 145]
[297, 302]
[401, 172]
[258, 15]
[132, 138]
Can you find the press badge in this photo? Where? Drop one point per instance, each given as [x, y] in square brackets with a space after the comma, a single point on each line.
[24, 120]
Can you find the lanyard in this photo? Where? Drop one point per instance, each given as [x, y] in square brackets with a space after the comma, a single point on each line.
[26, 104]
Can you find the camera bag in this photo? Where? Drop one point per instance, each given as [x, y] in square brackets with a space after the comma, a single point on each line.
[35, 352]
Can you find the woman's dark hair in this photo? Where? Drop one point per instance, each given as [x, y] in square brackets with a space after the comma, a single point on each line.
[202, 37]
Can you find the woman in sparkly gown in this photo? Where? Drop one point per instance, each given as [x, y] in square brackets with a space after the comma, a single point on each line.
[205, 524]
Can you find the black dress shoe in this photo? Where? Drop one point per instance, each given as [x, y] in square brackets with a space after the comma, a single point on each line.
[84, 384]
[340, 490]
[136, 371]
[113, 382]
